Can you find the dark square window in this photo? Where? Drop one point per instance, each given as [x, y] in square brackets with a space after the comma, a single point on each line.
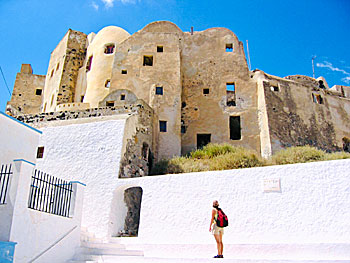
[110, 103]
[205, 91]
[274, 88]
[162, 126]
[159, 90]
[124, 71]
[203, 140]
[229, 47]
[148, 60]
[40, 152]
[38, 92]
[122, 97]
[109, 49]
[159, 49]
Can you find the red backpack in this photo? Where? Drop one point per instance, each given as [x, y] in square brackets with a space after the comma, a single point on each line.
[222, 220]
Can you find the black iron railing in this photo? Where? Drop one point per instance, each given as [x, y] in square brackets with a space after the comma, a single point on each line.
[50, 194]
[5, 174]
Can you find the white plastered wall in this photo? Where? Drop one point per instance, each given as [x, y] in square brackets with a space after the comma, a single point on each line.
[87, 150]
[17, 140]
[309, 218]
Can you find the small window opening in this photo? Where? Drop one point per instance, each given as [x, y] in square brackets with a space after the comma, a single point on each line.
[88, 64]
[159, 90]
[162, 126]
[122, 97]
[230, 94]
[82, 98]
[205, 91]
[159, 49]
[203, 140]
[317, 98]
[45, 107]
[53, 96]
[52, 71]
[19, 95]
[58, 66]
[109, 49]
[108, 83]
[321, 84]
[40, 152]
[124, 71]
[229, 47]
[274, 88]
[235, 127]
[38, 92]
[109, 103]
[148, 60]
[183, 129]
[145, 151]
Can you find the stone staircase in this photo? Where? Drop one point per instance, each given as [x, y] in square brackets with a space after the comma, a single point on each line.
[94, 250]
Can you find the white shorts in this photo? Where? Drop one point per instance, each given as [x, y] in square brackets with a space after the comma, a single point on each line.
[217, 230]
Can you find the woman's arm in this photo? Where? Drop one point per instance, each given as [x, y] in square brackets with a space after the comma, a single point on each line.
[213, 212]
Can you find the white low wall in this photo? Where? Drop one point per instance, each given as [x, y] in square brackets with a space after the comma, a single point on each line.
[312, 208]
[87, 150]
[17, 140]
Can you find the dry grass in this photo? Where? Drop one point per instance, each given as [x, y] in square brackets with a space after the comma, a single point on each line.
[224, 157]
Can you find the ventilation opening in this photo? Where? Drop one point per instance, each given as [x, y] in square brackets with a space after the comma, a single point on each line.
[205, 91]
[317, 98]
[229, 47]
[124, 71]
[230, 94]
[159, 90]
[235, 127]
[40, 152]
[160, 49]
[82, 98]
[122, 97]
[38, 92]
[109, 103]
[203, 140]
[148, 60]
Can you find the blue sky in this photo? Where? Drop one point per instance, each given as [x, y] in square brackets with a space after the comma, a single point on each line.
[283, 35]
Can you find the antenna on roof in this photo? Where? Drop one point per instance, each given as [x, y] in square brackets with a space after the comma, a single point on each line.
[191, 30]
[250, 66]
[313, 67]
[2, 73]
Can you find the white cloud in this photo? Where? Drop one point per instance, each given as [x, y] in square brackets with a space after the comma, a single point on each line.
[94, 5]
[328, 65]
[110, 3]
[346, 79]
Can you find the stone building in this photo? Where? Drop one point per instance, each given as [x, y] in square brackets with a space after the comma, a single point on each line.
[193, 88]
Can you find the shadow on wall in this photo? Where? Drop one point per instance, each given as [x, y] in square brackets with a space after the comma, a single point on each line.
[125, 211]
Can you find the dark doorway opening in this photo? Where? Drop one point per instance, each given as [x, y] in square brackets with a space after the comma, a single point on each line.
[235, 127]
[132, 199]
[203, 140]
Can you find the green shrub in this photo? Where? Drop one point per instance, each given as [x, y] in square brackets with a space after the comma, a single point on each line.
[211, 150]
[299, 154]
[337, 156]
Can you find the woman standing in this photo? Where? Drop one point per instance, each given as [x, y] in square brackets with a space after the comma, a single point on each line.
[217, 231]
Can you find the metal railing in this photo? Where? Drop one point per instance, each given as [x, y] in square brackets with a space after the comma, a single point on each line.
[5, 173]
[50, 194]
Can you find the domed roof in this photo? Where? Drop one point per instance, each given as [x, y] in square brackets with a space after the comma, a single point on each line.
[112, 34]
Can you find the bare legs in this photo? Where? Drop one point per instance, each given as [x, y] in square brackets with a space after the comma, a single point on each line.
[220, 245]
